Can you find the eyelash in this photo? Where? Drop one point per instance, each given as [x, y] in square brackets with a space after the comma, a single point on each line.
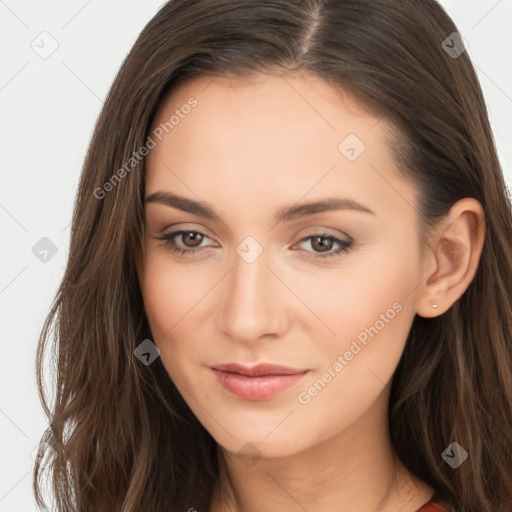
[345, 246]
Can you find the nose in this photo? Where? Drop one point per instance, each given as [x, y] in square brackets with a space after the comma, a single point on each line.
[253, 301]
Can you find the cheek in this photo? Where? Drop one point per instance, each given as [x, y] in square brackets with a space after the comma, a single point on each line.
[370, 309]
[166, 298]
[373, 290]
[371, 312]
[171, 288]
[175, 295]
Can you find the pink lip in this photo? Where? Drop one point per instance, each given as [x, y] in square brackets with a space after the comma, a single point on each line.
[256, 382]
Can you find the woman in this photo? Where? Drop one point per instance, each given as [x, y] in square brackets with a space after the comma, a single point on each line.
[290, 269]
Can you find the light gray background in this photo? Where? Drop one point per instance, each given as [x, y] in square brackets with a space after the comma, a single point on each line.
[48, 110]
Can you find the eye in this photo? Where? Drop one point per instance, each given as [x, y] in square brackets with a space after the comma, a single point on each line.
[191, 243]
[194, 238]
[324, 242]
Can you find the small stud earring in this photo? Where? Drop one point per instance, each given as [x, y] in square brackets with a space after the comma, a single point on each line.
[434, 306]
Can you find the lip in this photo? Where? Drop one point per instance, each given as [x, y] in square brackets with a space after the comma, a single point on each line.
[258, 369]
[257, 382]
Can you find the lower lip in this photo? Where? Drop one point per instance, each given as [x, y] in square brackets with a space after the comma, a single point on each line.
[256, 388]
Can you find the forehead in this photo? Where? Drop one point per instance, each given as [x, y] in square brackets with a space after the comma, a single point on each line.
[269, 135]
[297, 90]
[286, 115]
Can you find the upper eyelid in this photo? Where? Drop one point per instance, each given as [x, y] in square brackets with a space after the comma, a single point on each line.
[321, 232]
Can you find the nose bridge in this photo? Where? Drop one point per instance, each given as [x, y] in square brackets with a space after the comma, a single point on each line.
[250, 307]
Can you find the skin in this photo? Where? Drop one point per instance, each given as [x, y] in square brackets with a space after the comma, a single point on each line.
[248, 149]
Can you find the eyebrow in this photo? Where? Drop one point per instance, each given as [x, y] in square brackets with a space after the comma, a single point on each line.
[287, 213]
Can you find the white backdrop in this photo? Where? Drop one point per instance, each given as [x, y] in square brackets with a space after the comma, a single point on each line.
[49, 103]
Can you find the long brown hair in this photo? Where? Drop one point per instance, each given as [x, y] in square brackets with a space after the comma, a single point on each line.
[123, 438]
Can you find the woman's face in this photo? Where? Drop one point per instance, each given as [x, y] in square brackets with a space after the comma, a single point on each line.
[327, 292]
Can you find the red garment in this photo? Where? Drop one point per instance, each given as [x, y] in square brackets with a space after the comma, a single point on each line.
[433, 506]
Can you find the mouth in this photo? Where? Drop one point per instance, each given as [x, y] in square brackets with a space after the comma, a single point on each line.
[258, 382]
[258, 370]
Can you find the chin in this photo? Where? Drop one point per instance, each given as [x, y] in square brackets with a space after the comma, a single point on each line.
[256, 444]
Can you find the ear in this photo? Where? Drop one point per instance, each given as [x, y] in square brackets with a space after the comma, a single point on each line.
[452, 257]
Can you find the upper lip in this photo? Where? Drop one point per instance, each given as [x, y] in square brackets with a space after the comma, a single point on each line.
[257, 369]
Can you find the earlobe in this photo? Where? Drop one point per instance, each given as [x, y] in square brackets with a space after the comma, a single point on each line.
[456, 248]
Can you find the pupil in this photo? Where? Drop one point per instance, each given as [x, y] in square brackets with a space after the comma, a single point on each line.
[325, 241]
[194, 235]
